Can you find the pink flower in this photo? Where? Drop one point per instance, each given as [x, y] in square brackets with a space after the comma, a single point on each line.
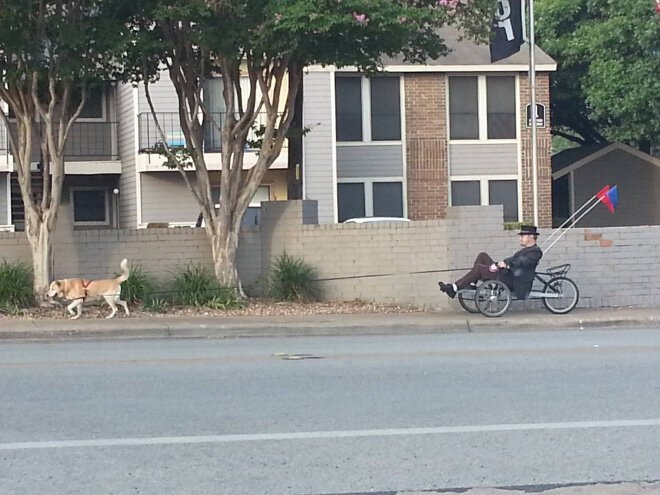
[278, 18]
[360, 18]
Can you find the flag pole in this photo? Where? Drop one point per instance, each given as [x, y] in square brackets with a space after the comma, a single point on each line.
[570, 219]
[545, 250]
[532, 90]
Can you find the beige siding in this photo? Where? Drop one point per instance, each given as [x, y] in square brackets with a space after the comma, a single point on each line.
[163, 96]
[638, 186]
[369, 161]
[483, 159]
[318, 166]
[126, 143]
[166, 198]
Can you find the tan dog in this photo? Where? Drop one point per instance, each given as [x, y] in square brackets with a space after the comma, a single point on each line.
[78, 289]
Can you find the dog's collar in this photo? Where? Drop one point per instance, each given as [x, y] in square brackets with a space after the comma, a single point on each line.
[85, 283]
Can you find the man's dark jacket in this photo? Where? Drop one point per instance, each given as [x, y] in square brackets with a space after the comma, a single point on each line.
[522, 266]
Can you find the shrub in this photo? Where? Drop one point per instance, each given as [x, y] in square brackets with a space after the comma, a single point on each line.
[156, 304]
[138, 287]
[291, 279]
[196, 285]
[15, 285]
[512, 225]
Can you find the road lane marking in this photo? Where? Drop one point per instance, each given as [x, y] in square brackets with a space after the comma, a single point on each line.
[312, 435]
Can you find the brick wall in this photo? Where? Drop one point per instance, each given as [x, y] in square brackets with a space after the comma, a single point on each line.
[426, 146]
[544, 151]
[399, 263]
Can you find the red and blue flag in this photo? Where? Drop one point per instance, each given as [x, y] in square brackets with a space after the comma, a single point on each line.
[609, 197]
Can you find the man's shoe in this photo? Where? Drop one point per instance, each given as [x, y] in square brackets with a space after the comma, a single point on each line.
[447, 289]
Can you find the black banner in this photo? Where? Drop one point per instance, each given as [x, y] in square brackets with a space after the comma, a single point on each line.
[508, 30]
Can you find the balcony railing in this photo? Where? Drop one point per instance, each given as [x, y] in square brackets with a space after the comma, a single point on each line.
[151, 140]
[87, 141]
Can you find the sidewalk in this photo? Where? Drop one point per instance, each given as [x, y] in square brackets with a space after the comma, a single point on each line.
[340, 324]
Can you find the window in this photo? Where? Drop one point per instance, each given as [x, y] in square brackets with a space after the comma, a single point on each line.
[385, 109]
[349, 108]
[501, 114]
[93, 108]
[487, 191]
[90, 206]
[368, 109]
[482, 107]
[465, 193]
[504, 192]
[463, 108]
[262, 194]
[388, 199]
[369, 198]
[350, 199]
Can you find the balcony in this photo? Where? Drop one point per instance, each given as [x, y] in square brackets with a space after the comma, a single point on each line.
[91, 148]
[150, 141]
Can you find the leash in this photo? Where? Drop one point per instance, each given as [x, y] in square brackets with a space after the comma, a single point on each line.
[389, 274]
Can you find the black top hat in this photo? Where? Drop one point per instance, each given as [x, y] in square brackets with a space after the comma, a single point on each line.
[528, 230]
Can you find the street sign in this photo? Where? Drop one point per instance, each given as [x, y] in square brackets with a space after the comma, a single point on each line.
[540, 115]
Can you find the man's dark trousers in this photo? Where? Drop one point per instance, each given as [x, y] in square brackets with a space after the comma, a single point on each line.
[480, 271]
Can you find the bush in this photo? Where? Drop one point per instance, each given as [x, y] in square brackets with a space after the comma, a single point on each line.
[291, 279]
[156, 304]
[196, 285]
[15, 285]
[138, 287]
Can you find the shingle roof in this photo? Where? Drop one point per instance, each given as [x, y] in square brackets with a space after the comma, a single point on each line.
[467, 52]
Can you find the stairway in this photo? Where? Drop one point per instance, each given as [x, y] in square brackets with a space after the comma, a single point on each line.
[17, 209]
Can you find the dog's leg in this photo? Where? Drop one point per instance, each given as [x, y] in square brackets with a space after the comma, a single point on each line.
[123, 304]
[111, 302]
[77, 305]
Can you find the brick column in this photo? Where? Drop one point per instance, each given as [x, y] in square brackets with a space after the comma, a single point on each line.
[543, 153]
[426, 146]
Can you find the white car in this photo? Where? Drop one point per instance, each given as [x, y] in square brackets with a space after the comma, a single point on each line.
[376, 220]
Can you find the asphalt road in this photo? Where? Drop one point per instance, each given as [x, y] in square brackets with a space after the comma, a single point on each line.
[321, 415]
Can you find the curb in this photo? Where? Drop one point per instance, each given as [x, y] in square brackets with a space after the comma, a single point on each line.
[317, 325]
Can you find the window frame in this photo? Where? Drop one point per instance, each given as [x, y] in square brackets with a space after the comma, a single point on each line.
[365, 88]
[104, 109]
[369, 192]
[92, 223]
[482, 108]
[484, 191]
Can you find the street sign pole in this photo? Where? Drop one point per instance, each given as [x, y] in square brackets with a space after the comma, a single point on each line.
[532, 90]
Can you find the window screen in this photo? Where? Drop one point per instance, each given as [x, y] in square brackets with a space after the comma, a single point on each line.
[93, 107]
[463, 108]
[349, 108]
[505, 192]
[89, 206]
[350, 199]
[388, 199]
[385, 109]
[465, 193]
[501, 105]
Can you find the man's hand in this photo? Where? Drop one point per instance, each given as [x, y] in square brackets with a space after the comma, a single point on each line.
[501, 265]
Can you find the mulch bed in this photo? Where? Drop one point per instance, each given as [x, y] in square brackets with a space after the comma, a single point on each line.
[253, 307]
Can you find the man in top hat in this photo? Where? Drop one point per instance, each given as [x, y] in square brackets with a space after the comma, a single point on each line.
[517, 271]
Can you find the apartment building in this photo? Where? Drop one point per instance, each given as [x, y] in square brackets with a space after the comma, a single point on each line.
[409, 141]
[414, 139]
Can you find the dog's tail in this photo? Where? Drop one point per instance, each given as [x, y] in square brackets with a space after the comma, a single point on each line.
[124, 271]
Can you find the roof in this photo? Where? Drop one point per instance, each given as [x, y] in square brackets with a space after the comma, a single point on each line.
[574, 158]
[465, 55]
[466, 52]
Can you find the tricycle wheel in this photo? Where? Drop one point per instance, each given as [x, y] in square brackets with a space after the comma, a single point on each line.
[493, 298]
[560, 295]
[467, 299]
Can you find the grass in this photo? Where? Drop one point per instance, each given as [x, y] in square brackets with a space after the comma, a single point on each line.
[196, 285]
[292, 279]
[15, 286]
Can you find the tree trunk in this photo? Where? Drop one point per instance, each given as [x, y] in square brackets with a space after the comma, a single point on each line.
[40, 243]
[224, 243]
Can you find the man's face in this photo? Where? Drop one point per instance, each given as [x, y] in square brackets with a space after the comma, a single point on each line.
[527, 240]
